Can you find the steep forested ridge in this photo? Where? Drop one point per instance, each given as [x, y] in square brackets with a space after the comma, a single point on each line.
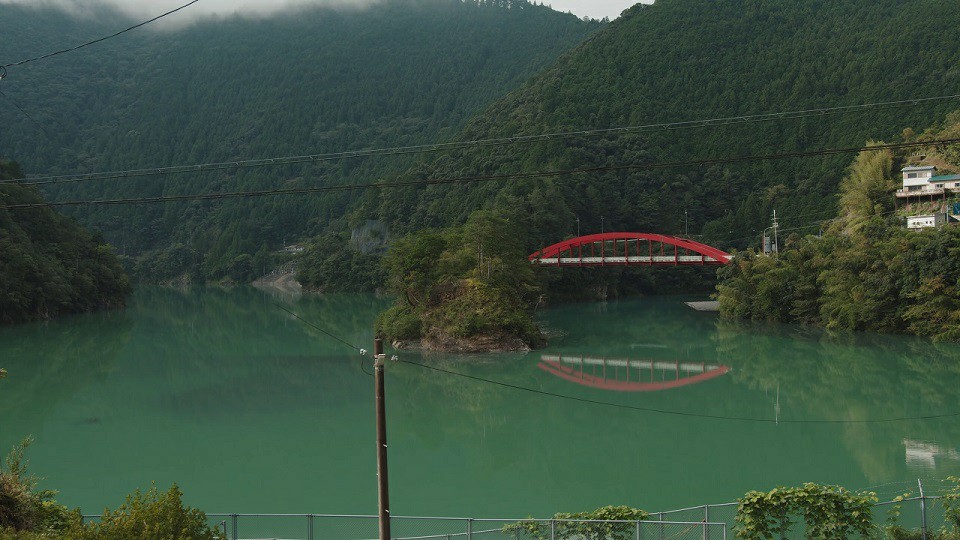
[698, 59]
[49, 266]
[307, 82]
[866, 271]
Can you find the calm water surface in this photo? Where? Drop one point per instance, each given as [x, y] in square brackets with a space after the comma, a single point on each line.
[249, 410]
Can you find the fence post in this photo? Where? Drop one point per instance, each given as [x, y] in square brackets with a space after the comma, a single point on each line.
[923, 511]
[638, 529]
[469, 528]
[706, 519]
[309, 526]
[660, 519]
[224, 525]
[553, 529]
[234, 519]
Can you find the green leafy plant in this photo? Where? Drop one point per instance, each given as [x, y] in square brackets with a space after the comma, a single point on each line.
[150, 514]
[607, 523]
[829, 512]
[24, 508]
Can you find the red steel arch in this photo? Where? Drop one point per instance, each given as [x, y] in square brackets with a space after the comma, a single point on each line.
[612, 378]
[629, 249]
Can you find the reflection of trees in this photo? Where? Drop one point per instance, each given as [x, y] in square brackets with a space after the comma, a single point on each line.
[658, 327]
[205, 342]
[233, 350]
[853, 377]
[50, 362]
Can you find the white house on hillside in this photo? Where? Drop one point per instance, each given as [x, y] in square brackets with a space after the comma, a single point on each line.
[917, 178]
[923, 181]
[922, 184]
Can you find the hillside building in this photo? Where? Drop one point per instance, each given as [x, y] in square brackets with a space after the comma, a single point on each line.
[922, 184]
[925, 221]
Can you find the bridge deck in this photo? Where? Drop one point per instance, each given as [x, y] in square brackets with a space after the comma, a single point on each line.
[626, 261]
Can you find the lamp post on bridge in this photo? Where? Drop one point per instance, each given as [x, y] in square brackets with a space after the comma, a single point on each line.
[601, 224]
[578, 225]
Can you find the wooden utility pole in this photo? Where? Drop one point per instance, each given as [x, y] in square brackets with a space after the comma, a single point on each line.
[383, 498]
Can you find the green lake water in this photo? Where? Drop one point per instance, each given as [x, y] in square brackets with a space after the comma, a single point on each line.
[250, 410]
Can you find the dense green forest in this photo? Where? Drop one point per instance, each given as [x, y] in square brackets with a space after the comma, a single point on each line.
[695, 59]
[306, 82]
[438, 70]
[50, 266]
[866, 271]
[467, 288]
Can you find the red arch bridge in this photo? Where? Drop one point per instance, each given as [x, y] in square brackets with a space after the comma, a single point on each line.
[626, 375]
[629, 249]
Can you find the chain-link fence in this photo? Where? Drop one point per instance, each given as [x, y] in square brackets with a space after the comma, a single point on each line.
[924, 513]
[355, 527]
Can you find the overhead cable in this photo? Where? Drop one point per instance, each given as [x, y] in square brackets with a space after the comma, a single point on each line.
[459, 145]
[98, 40]
[487, 178]
[317, 328]
[678, 413]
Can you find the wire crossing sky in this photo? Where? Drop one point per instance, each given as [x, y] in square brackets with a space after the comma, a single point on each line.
[488, 178]
[458, 145]
[98, 40]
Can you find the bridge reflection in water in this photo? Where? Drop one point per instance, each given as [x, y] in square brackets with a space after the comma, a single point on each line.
[626, 375]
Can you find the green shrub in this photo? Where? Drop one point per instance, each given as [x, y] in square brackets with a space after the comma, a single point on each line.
[25, 509]
[829, 512]
[156, 515]
[582, 525]
[399, 322]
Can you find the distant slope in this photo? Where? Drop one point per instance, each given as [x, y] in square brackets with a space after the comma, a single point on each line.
[698, 59]
[50, 266]
[397, 73]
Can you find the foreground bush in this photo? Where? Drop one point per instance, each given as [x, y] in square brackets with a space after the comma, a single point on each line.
[27, 513]
[153, 514]
[24, 508]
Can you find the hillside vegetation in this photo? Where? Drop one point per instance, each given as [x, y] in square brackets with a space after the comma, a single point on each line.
[468, 288]
[50, 266]
[695, 59]
[866, 272]
[311, 81]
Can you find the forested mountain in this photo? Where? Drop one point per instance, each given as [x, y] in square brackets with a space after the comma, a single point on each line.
[49, 265]
[681, 60]
[866, 271]
[399, 72]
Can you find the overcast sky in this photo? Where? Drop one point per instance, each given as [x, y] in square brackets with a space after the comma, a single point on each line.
[146, 8]
[597, 9]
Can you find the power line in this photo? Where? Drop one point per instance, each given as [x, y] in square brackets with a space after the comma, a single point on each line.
[817, 223]
[317, 328]
[98, 40]
[459, 145]
[676, 413]
[25, 113]
[341, 340]
[488, 178]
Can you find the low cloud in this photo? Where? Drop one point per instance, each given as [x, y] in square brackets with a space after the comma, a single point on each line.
[145, 9]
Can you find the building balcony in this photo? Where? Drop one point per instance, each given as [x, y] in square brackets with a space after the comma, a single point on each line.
[924, 192]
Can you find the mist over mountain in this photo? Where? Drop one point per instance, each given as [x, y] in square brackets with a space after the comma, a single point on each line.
[430, 71]
[144, 9]
[324, 80]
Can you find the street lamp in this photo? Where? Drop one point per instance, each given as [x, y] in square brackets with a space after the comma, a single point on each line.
[601, 224]
[578, 225]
